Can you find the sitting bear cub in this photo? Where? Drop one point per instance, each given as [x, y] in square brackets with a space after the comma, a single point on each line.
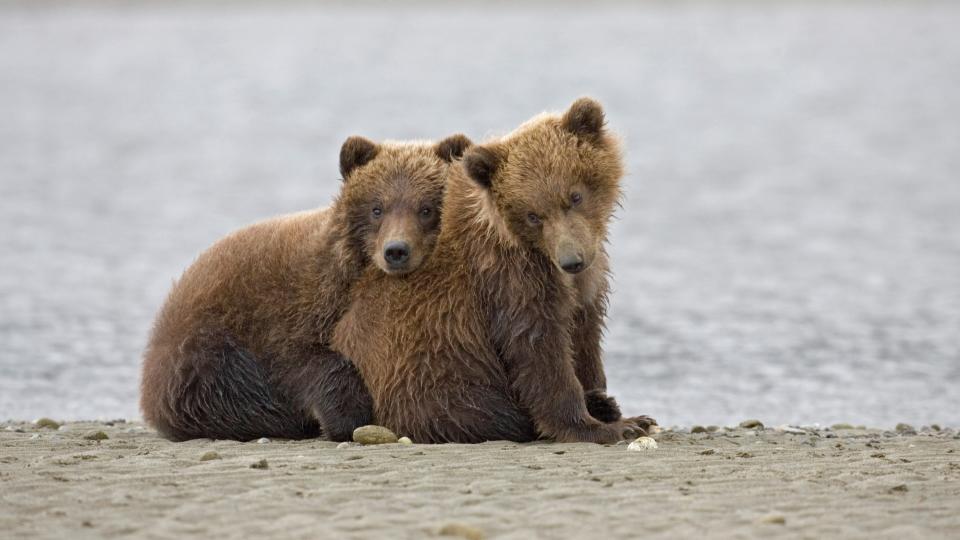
[497, 335]
[241, 348]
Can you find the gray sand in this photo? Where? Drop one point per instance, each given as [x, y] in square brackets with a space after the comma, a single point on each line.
[741, 483]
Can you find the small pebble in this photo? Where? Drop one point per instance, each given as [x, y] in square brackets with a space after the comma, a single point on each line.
[96, 436]
[698, 429]
[262, 464]
[841, 426]
[404, 440]
[905, 429]
[713, 429]
[209, 456]
[343, 445]
[642, 444]
[773, 519]
[935, 427]
[47, 423]
[751, 424]
[463, 531]
[374, 435]
[790, 429]
[263, 440]
[35, 436]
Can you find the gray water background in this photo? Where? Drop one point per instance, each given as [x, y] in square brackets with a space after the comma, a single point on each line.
[788, 249]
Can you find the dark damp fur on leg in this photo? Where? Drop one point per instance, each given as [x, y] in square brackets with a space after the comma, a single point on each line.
[602, 407]
[224, 393]
[338, 397]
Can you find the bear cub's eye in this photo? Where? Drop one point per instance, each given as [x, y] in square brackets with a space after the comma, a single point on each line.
[426, 212]
[533, 218]
[377, 211]
[576, 198]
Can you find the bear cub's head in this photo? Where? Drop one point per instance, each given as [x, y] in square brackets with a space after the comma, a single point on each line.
[554, 183]
[392, 196]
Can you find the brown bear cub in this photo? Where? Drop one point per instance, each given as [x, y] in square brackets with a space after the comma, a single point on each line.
[497, 335]
[241, 349]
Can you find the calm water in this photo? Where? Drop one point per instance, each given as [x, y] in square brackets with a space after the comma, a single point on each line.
[789, 247]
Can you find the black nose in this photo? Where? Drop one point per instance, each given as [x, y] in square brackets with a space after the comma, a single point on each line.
[572, 264]
[396, 253]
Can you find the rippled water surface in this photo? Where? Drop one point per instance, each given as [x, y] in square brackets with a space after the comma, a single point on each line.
[789, 245]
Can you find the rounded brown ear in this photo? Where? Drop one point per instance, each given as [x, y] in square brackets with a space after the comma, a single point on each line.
[481, 163]
[356, 151]
[453, 147]
[584, 119]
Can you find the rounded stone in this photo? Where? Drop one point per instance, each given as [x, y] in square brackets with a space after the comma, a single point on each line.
[96, 436]
[47, 423]
[905, 429]
[374, 435]
[404, 440]
[642, 444]
[698, 429]
[209, 456]
[461, 530]
[751, 424]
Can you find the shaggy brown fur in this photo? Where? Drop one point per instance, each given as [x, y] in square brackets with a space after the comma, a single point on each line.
[241, 348]
[478, 344]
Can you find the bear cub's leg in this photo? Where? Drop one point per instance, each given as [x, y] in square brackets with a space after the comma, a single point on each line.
[330, 388]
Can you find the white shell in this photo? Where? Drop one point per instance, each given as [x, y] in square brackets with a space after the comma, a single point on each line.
[642, 444]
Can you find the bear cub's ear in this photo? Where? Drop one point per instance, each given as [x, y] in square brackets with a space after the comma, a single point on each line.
[453, 147]
[481, 163]
[584, 119]
[356, 151]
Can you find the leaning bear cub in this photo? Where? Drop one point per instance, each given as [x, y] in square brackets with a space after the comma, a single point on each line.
[478, 344]
[241, 348]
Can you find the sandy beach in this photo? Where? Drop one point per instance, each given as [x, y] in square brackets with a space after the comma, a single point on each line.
[730, 483]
